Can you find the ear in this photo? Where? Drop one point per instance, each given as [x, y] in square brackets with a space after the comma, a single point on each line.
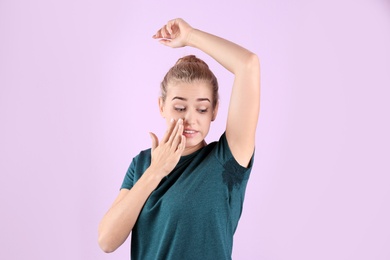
[161, 106]
[215, 111]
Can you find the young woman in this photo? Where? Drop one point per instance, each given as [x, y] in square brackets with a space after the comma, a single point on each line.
[182, 198]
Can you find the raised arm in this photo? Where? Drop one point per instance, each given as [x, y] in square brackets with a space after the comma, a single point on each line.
[244, 104]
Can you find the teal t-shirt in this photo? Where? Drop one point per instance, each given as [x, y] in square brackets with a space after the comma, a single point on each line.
[194, 211]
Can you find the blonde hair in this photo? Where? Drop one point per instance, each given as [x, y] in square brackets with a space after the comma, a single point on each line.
[190, 69]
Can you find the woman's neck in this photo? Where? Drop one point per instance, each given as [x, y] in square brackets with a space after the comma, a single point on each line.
[192, 149]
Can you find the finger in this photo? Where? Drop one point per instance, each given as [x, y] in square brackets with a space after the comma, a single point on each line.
[183, 143]
[161, 33]
[165, 42]
[169, 28]
[173, 22]
[169, 131]
[157, 34]
[173, 28]
[154, 140]
[168, 31]
[175, 130]
[181, 147]
[177, 138]
[164, 32]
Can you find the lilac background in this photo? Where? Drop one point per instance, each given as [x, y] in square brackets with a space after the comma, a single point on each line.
[78, 94]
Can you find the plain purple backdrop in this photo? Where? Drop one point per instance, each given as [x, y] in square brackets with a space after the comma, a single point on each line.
[79, 82]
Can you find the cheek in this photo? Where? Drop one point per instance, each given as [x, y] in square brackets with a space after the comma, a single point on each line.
[169, 114]
[206, 119]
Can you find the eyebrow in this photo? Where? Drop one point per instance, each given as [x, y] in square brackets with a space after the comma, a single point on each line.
[198, 99]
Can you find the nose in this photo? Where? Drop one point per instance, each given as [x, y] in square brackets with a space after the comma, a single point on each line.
[189, 118]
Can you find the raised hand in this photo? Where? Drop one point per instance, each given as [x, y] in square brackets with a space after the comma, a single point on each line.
[166, 154]
[174, 34]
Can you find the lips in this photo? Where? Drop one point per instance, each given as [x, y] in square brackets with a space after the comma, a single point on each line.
[189, 132]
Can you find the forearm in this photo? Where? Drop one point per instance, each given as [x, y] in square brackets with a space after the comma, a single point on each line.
[118, 222]
[233, 57]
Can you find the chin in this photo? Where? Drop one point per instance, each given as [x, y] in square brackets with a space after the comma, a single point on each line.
[190, 143]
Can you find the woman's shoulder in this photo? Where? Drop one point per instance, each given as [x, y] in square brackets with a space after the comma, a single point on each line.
[224, 154]
[143, 157]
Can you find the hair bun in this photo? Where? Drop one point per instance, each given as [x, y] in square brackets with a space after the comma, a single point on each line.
[190, 59]
[190, 69]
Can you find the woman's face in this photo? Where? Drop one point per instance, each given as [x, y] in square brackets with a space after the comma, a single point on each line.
[193, 103]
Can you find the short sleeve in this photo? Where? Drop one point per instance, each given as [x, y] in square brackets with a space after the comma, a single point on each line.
[234, 175]
[138, 166]
[128, 181]
[225, 155]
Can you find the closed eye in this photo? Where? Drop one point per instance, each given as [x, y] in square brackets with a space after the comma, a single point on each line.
[202, 110]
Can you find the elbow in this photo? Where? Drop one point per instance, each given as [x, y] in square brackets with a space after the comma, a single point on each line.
[253, 62]
[249, 65]
[106, 245]
[110, 238]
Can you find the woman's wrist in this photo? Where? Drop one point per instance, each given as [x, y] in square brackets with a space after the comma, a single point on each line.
[190, 36]
[154, 174]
